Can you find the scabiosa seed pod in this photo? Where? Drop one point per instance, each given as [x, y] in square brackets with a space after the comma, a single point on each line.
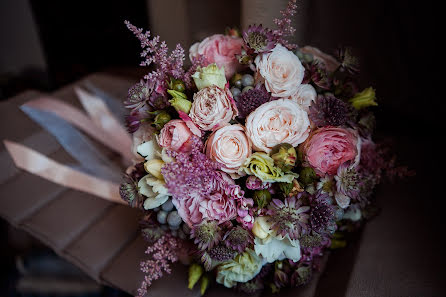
[311, 240]
[221, 253]
[207, 235]
[322, 214]
[238, 239]
[329, 111]
[248, 101]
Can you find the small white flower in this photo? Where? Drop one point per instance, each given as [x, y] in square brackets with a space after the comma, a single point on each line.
[155, 191]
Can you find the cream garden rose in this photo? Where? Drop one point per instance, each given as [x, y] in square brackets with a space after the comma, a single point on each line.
[213, 107]
[305, 96]
[229, 146]
[282, 70]
[275, 122]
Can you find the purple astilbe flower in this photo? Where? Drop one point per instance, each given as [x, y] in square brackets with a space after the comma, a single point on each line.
[255, 183]
[163, 253]
[156, 52]
[317, 75]
[322, 215]
[329, 111]
[289, 217]
[259, 39]
[248, 101]
[206, 235]
[348, 180]
[238, 239]
[284, 28]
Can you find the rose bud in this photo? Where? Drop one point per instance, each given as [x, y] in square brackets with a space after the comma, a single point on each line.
[179, 101]
[262, 198]
[161, 119]
[284, 156]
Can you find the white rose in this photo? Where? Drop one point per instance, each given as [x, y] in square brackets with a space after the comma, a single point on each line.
[275, 122]
[305, 96]
[282, 70]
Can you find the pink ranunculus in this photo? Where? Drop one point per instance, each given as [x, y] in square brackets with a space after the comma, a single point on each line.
[212, 108]
[329, 147]
[176, 135]
[221, 50]
[229, 146]
[282, 71]
[189, 209]
[219, 207]
[276, 122]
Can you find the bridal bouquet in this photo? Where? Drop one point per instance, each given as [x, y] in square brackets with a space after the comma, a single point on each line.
[252, 161]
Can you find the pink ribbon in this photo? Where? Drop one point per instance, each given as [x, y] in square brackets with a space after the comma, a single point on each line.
[38, 164]
[99, 123]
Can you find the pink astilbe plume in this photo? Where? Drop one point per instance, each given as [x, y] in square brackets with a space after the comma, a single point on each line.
[156, 52]
[284, 28]
[163, 252]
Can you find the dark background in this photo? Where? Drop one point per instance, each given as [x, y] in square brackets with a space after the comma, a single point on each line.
[47, 44]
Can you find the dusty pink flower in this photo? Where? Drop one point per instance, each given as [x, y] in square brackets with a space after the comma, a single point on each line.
[329, 147]
[219, 207]
[282, 71]
[229, 146]
[212, 107]
[305, 96]
[176, 135]
[189, 209]
[325, 61]
[275, 122]
[219, 49]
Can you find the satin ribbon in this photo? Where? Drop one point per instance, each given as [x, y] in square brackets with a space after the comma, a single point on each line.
[38, 164]
[99, 123]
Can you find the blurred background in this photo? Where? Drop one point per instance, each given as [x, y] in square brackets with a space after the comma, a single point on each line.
[45, 45]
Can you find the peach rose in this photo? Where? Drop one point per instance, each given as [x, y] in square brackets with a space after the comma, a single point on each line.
[282, 71]
[305, 96]
[229, 146]
[212, 108]
[275, 122]
[221, 50]
[176, 135]
[329, 147]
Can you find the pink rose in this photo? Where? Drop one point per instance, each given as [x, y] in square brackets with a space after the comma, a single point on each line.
[176, 135]
[189, 209]
[221, 50]
[275, 122]
[218, 207]
[282, 71]
[212, 107]
[326, 61]
[229, 146]
[329, 147]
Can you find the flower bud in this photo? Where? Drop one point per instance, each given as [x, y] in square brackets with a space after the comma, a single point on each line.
[195, 272]
[284, 156]
[161, 119]
[307, 175]
[179, 101]
[154, 167]
[260, 227]
[262, 198]
[209, 75]
[204, 284]
[363, 99]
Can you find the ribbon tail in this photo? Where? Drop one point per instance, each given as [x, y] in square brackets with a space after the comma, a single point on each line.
[103, 118]
[38, 164]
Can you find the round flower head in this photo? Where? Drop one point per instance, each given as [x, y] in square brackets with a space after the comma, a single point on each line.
[238, 239]
[242, 268]
[248, 101]
[259, 39]
[329, 111]
[221, 253]
[212, 107]
[322, 214]
[289, 217]
[282, 70]
[348, 181]
[207, 235]
[276, 122]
